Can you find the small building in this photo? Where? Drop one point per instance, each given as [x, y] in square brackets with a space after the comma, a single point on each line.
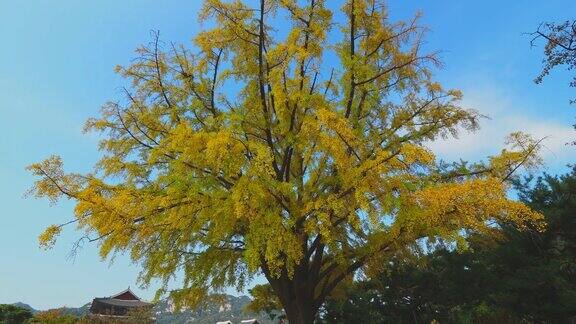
[118, 305]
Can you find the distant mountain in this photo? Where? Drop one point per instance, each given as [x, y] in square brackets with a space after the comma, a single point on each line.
[25, 306]
[77, 311]
[80, 311]
[232, 309]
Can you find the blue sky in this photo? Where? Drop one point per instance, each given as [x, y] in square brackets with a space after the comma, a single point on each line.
[56, 69]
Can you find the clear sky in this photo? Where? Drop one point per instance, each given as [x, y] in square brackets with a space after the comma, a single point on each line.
[56, 69]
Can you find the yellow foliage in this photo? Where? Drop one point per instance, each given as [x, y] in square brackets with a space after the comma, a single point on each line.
[48, 237]
[253, 155]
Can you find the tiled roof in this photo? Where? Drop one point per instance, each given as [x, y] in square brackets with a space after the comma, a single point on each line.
[128, 292]
[121, 302]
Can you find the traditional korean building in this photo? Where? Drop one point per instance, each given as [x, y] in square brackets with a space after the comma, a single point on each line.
[118, 305]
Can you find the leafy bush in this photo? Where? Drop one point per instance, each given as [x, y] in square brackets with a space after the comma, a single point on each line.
[11, 314]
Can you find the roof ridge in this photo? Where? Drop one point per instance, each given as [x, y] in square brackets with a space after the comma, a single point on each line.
[125, 291]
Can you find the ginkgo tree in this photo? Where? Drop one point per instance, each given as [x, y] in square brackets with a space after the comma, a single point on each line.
[270, 148]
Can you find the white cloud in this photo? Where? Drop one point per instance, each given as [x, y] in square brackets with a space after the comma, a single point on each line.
[504, 117]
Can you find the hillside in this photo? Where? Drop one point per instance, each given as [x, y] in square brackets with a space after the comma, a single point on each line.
[165, 312]
[231, 310]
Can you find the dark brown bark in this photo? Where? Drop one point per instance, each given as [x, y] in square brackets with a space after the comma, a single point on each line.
[301, 312]
[297, 299]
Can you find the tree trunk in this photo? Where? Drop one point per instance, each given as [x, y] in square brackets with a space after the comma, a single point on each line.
[300, 311]
[297, 297]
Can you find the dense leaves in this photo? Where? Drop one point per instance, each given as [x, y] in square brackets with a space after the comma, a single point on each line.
[283, 153]
[56, 316]
[528, 277]
[11, 314]
[265, 301]
[62, 316]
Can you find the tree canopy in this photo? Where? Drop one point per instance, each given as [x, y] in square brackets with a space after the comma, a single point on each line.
[527, 277]
[12, 314]
[288, 143]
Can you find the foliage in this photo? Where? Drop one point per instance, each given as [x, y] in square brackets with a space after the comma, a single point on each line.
[544, 267]
[143, 315]
[252, 156]
[231, 308]
[560, 48]
[265, 301]
[55, 316]
[65, 316]
[529, 277]
[11, 314]
[445, 289]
